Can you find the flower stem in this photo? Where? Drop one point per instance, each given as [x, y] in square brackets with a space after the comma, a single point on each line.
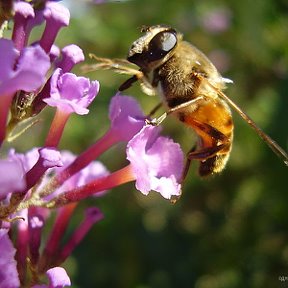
[94, 151]
[19, 33]
[22, 249]
[114, 179]
[56, 128]
[93, 215]
[52, 247]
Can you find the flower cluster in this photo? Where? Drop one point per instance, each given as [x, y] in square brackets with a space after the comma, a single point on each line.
[45, 180]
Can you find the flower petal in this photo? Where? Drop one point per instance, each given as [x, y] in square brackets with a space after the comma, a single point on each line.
[70, 93]
[157, 162]
[50, 157]
[11, 179]
[25, 76]
[8, 266]
[7, 59]
[58, 277]
[126, 116]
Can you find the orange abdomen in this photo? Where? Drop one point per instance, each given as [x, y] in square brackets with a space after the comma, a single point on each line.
[212, 122]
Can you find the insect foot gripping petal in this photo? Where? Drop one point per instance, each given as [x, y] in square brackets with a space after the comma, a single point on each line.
[156, 121]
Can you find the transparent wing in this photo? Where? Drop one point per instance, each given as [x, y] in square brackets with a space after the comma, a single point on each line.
[269, 141]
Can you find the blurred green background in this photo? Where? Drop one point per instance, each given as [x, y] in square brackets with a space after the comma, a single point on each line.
[227, 231]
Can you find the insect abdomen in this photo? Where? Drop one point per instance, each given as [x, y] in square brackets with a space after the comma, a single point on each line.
[212, 122]
[213, 165]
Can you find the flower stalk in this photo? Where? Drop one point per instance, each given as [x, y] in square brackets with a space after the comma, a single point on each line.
[45, 181]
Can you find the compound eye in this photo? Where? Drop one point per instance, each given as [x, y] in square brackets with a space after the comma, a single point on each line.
[161, 44]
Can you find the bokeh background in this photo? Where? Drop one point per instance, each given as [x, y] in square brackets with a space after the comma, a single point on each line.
[227, 231]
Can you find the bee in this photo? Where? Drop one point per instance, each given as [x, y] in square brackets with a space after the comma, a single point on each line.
[191, 89]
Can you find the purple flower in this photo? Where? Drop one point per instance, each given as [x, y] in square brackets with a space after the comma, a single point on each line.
[18, 73]
[23, 12]
[92, 171]
[8, 267]
[35, 226]
[126, 120]
[156, 161]
[126, 117]
[35, 163]
[57, 16]
[28, 160]
[54, 252]
[23, 9]
[50, 157]
[92, 215]
[24, 76]
[58, 278]
[70, 93]
[54, 53]
[11, 179]
[71, 55]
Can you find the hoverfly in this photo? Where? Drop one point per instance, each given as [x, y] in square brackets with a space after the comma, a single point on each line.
[191, 89]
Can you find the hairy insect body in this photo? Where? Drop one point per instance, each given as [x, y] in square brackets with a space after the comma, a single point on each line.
[191, 89]
[177, 82]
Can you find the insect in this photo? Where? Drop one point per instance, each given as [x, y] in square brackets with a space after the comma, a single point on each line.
[191, 89]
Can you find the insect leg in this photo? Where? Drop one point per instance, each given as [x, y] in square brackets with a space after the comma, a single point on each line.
[128, 83]
[212, 140]
[187, 165]
[184, 105]
[214, 148]
[178, 108]
[205, 153]
[155, 109]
